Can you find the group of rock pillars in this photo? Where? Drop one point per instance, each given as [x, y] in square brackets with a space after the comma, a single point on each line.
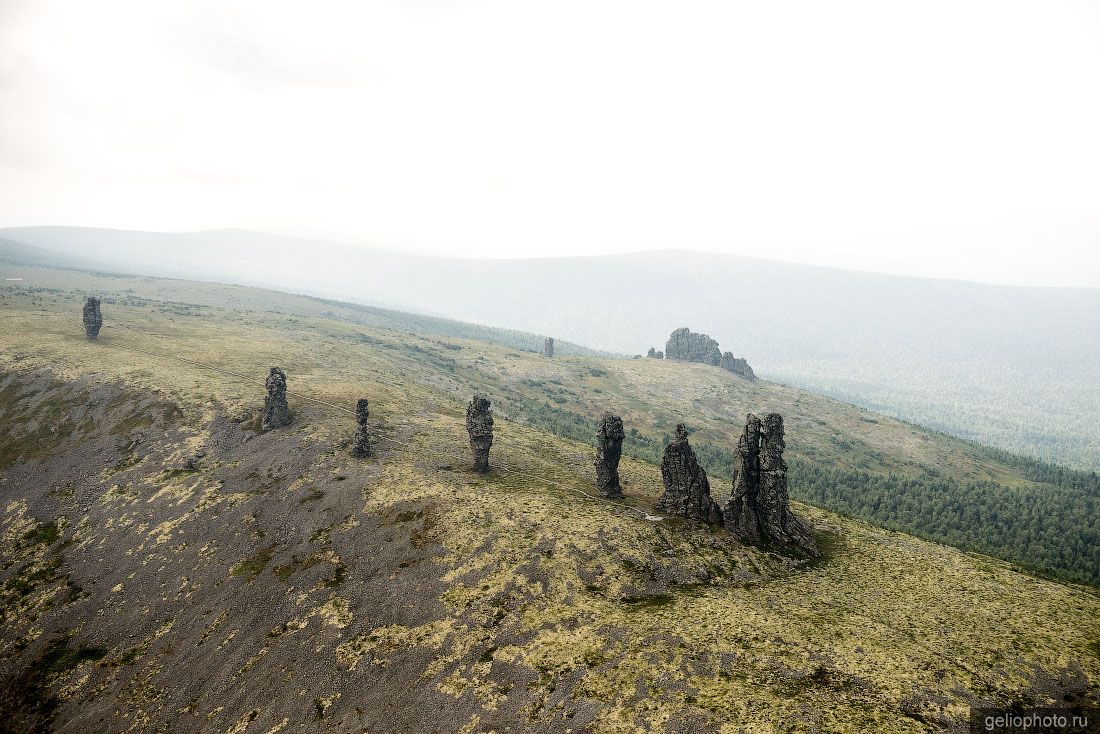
[758, 511]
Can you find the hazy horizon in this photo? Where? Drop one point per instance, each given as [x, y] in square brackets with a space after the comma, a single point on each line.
[940, 140]
[551, 256]
[945, 354]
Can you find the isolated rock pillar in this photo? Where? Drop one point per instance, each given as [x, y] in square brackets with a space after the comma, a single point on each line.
[361, 444]
[548, 347]
[479, 424]
[609, 449]
[276, 410]
[687, 489]
[759, 510]
[93, 318]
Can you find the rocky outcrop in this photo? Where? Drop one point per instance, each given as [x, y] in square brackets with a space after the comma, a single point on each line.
[479, 424]
[655, 353]
[682, 344]
[687, 489]
[737, 365]
[548, 347]
[758, 511]
[276, 410]
[360, 447]
[93, 318]
[609, 449]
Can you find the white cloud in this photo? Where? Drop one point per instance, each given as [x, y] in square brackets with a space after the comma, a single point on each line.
[938, 138]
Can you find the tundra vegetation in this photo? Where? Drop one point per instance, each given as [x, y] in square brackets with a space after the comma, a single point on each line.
[167, 561]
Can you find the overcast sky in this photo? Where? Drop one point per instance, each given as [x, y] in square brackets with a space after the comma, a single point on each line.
[957, 139]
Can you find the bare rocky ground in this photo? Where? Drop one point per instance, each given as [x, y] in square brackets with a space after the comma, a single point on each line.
[176, 573]
[166, 577]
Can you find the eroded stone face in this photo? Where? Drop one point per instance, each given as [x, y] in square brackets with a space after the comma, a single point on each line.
[548, 347]
[93, 318]
[276, 410]
[361, 443]
[737, 365]
[609, 449]
[683, 344]
[758, 511]
[479, 424]
[687, 489]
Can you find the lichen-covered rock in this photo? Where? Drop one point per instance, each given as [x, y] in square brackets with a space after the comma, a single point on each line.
[548, 347]
[93, 318]
[737, 365]
[361, 443]
[682, 344]
[609, 449]
[276, 410]
[759, 511]
[479, 424]
[687, 489]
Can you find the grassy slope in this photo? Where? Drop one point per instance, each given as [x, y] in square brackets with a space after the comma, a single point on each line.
[564, 396]
[887, 634]
[651, 395]
[842, 457]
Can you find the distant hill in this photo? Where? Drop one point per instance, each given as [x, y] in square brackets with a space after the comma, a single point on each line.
[18, 253]
[1012, 367]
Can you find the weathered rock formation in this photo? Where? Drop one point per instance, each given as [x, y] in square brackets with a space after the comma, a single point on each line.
[737, 365]
[759, 511]
[655, 353]
[360, 447]
[682, 344]
[548, 347]
[276, 410]
[479, 424]
[93, 318]
[687, 490]
[609, 449]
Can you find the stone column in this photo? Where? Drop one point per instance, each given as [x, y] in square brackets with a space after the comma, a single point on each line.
[276, 410]
[687, 489]
[759, 510]
[361, 444]
[479, 424]
[93, 318]
[609, 449]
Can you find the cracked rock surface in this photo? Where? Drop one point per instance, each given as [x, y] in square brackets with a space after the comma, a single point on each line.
[276, 410]
[609, 449]
[759, 511]
[687, 489]
[361, 442]
[683, 344]
[479, 424]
